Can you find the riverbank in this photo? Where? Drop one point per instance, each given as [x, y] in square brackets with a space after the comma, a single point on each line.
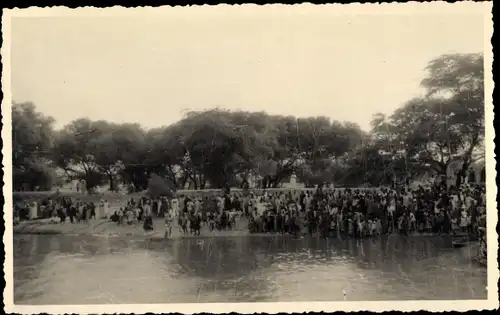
[112, 229]
[107, 228]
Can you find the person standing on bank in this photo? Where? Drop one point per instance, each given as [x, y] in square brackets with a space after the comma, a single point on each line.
[148, 218]
[169, 218]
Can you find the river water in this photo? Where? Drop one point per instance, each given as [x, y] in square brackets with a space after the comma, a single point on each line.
[98, 270]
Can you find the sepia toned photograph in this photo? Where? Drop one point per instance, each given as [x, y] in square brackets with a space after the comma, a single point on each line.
[340, 155]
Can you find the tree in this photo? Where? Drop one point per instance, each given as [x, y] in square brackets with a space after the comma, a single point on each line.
[166, 155]
[222, 148]
[143, 156]
[32, 141]
[76, 148]
[444, 127]
[214, 146]
[35, 175]
[116, 147]
[460, 79]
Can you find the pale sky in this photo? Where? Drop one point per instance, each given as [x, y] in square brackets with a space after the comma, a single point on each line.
[150, 70]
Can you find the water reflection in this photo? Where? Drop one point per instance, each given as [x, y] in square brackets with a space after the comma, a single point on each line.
[93, 270]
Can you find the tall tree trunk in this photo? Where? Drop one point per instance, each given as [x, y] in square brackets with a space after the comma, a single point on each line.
[466, 162]
[193, 179]
[88, 186]
[244, 183]
[200, 180]
[183, 181]
[275, 182]
[461, 174]
[111, 182]
[171, 175]
[264, 181]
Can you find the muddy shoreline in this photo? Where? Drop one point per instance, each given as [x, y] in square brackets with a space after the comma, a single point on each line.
[111, 229]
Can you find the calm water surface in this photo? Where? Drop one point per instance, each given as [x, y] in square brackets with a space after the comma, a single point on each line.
[94, 270]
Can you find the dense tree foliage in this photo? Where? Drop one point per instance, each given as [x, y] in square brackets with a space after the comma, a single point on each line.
[32, 141]
[221, 149]
[445, 126]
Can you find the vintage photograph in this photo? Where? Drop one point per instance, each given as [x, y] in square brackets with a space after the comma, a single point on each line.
[249, 154]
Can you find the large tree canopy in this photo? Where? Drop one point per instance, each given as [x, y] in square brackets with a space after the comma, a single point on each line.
[446, 125]
[220, 148]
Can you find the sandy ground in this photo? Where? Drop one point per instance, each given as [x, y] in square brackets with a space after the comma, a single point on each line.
[104, 227]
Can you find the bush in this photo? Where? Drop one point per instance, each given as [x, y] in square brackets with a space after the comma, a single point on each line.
[34, 176]
[158, 186]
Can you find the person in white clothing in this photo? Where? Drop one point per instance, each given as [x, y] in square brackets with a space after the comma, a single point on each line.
[100, 210]
[106, 209]
[361, 226]
[175, 207]
[197, 205]
[137, 213]
[307, 202]
[378, 225]
[413, 222]
[147, 210]
[220, 204]
[437, 209]
[33, 211]
[463, 220]
[454, 202]
[392, 205]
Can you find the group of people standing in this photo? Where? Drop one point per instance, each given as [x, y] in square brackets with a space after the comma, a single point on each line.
[141, 210]
[60, 209]
[329, 212]
[369, 212]
[189, 213]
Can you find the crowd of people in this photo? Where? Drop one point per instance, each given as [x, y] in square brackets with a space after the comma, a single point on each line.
[189, 213]
[369, 212]
[328, 212]
[61, 209]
